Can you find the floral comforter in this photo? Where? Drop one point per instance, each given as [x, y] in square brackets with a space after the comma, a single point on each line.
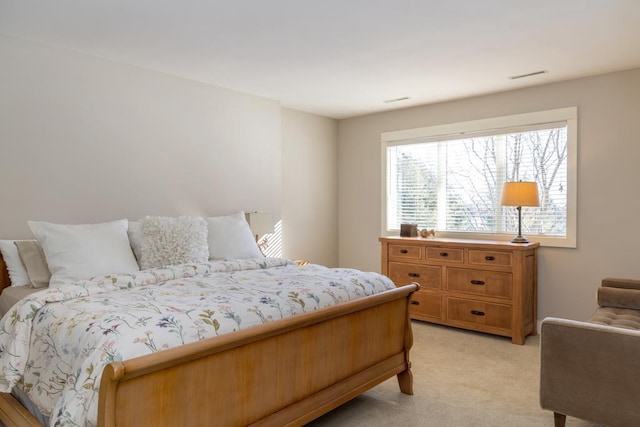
[55, 343]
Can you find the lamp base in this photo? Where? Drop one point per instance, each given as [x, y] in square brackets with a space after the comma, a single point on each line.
[519, 239]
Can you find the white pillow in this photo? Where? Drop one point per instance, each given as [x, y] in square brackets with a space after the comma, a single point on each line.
[79, 252]
[17, 272]
[230, 237]
[170, 241]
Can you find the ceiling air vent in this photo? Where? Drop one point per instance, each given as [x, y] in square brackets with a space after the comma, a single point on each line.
[522, 76]
[388, 101]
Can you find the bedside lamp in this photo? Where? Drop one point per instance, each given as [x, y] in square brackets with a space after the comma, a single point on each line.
[520, 194]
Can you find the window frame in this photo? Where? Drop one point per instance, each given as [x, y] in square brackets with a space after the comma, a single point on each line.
[448, 131]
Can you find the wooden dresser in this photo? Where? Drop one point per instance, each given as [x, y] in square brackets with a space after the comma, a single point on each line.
[482, 285]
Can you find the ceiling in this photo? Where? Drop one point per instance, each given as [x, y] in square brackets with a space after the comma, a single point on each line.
[344, 58]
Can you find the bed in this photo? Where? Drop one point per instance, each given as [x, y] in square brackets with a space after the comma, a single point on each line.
[282, 372]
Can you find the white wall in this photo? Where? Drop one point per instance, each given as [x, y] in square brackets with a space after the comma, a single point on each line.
[86, 140]
[310, 187]
[608, 180]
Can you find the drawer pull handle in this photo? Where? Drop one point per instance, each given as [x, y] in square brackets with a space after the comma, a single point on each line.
[414, 274]
[445, 254]
[413, 302]
[490, 258]
[404, 251]
[477, 282]
[477, 312]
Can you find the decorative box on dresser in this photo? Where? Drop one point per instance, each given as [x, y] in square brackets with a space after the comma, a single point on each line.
[481, 285]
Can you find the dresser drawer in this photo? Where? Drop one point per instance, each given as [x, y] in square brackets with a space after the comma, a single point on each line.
[405, 251]
[479, 313]
[445, 254]
[426, 304]
[480, 282]
[428, 277]
[501, 259]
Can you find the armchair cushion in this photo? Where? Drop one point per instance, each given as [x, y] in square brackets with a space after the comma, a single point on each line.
[616, 317]
[614, 282]
[619, 298]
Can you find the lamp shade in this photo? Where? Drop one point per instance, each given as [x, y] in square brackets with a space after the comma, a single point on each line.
[520, 194]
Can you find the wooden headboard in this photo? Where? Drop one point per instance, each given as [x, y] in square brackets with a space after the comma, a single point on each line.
[5, 282]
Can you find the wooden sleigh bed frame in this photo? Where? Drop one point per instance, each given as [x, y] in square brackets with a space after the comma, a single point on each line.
[284, 373]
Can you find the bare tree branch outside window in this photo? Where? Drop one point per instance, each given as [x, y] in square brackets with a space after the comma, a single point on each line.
[455, 185]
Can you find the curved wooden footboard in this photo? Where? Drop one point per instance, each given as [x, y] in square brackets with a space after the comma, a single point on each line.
[284, 373]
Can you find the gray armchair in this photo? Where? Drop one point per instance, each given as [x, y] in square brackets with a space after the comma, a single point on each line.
[591, 370]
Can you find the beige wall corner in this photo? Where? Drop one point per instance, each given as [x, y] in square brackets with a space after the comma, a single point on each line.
[309, 187]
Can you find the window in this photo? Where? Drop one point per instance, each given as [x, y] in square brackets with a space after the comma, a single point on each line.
[450, 177]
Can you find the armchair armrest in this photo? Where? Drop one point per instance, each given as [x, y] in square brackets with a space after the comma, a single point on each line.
[615, 282]
[590, 371]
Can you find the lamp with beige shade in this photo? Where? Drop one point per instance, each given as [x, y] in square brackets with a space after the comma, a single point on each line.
[520, 194]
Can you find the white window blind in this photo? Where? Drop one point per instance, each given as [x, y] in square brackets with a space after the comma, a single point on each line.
[453, 182]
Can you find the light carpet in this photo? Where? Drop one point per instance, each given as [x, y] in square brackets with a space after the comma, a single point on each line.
[461, 378]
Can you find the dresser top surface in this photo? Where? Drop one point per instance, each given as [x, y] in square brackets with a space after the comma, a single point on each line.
[436, 241]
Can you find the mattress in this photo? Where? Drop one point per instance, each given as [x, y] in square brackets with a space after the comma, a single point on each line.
[12, 295]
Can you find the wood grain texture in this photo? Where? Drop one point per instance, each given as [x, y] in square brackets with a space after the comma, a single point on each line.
[481, 285]
[5, 282]
[283, 373]
[429, 277]
[12, 413]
